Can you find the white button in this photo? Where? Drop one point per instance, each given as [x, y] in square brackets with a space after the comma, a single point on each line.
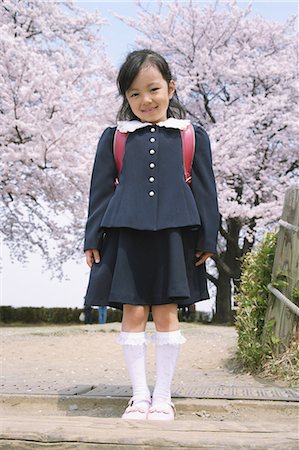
[151, 179]
[152, 151]
[151, 193]
[153, 130]
[152, 165]
[152, 139]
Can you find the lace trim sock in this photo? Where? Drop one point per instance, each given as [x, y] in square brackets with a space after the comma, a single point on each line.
[168, 338]
[167, 351]
[134, 350]
[132, 338]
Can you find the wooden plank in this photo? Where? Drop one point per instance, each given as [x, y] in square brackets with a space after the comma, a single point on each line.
[116, 434]
[285, 271]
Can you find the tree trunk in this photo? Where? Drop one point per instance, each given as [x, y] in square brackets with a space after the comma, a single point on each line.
[228, 264]
[223, 298]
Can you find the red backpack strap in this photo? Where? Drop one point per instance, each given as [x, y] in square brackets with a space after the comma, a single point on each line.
[119, 144]
[188, 143]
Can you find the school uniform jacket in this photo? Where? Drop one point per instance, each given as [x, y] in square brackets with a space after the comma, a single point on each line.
[152, 193]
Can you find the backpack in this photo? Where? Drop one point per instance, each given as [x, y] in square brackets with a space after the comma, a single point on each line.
[188, 144]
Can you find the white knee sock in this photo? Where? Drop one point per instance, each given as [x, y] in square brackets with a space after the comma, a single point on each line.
[167, 351]
[134, 349]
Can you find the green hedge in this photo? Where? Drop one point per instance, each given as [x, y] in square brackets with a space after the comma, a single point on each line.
[252, 304]
[29, 315]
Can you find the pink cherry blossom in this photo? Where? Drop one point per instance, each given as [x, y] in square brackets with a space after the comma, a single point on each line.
[57, 95]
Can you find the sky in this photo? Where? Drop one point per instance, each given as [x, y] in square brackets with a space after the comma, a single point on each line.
[117, 49]
[30, 285]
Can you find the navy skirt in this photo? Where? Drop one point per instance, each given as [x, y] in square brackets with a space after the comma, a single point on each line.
[147, 268]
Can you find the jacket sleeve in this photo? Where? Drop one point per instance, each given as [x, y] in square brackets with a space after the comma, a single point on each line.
[204, 190]
[101, 189]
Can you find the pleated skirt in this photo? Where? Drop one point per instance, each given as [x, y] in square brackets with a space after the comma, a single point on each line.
[147, 268]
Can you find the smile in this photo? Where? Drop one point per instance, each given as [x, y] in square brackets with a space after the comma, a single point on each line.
[148, 110]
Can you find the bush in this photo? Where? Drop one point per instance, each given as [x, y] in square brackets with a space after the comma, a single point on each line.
[32, 315]
[252, 301]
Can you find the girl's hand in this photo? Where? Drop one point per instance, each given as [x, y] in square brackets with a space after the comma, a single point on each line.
[202, 257]
[92, 256]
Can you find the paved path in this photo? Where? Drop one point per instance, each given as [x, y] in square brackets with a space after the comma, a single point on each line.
[43, 367]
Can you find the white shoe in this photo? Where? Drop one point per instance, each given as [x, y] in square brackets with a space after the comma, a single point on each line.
[137, 409]
[161, 410]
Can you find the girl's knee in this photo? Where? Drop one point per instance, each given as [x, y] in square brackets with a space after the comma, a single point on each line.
[134, 317]
[166, 317]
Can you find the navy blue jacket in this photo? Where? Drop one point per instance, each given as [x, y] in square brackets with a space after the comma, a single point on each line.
[152, 193]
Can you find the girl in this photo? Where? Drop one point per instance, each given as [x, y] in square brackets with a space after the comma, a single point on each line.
[148, 238]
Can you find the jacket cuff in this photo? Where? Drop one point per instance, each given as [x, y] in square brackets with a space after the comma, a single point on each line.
[203, 245]
[96, 242]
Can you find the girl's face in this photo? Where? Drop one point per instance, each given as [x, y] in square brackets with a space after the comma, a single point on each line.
[149, 95]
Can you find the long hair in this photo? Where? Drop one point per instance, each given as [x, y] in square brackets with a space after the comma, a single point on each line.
[128, 72]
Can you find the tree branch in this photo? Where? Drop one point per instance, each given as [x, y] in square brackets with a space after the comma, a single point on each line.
[212, 279]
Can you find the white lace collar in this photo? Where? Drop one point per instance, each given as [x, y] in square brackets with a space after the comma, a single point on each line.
[128, 126]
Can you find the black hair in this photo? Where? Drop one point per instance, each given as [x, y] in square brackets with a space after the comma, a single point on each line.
[128, 72]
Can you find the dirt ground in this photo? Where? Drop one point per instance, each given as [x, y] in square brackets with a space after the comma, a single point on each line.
[39, 362]
[49, 358]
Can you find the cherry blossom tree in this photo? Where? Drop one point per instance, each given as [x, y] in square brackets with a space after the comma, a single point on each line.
[57, 94]
[236, 75]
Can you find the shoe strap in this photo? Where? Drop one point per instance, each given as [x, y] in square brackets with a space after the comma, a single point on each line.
[137, 400]
[133, 405]
[162, 407]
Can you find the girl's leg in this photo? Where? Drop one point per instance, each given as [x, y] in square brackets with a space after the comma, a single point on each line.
[133, 340]
[168, 340]
[134, 318]
[166, 317]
